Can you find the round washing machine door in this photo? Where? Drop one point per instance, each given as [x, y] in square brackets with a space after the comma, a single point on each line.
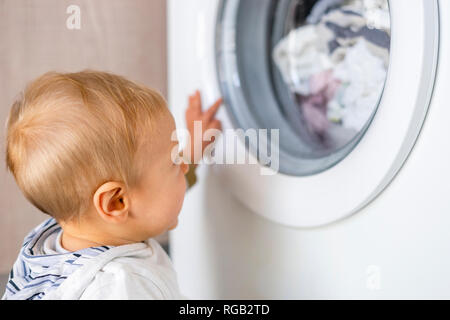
[347, 84]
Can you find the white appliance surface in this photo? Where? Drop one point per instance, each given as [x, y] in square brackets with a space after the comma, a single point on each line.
[374, 226]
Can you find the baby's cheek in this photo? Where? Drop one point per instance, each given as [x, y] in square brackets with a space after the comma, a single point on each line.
[182, 190]
[183, 182]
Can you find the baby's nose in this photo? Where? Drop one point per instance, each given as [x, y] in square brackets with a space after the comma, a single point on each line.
[184, 167]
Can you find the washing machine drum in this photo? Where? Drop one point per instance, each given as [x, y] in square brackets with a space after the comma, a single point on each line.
[315, 70]
[335, 77]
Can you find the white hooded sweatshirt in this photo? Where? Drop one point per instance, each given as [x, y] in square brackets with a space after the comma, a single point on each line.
[44, 270]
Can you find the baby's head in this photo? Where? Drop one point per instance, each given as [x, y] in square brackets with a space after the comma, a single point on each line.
[94, 151]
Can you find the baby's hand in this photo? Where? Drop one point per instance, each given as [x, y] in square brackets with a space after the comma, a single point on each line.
[208, 121]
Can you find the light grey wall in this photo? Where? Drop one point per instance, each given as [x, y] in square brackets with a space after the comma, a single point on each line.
[124, 37]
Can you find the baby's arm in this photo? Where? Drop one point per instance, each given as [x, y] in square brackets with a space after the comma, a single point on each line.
[208, 121]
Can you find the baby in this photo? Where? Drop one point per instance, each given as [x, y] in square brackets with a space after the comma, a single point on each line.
[94, 151]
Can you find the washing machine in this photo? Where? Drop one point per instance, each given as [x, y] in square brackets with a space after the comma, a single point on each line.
[355, 209]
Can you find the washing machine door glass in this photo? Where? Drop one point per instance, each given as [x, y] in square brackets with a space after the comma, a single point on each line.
[314, 69]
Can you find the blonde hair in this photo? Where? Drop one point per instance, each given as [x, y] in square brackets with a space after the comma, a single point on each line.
[69, 133]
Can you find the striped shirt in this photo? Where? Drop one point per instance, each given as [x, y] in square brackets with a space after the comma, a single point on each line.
[43, 265]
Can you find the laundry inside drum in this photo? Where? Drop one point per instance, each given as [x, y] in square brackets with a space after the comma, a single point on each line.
[332, 56]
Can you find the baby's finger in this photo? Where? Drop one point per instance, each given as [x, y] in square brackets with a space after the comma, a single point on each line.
[215, 124]
[211, 112]
[191, 102]
[197, 101]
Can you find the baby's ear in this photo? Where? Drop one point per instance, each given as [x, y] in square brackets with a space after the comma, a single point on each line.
[111, 202]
